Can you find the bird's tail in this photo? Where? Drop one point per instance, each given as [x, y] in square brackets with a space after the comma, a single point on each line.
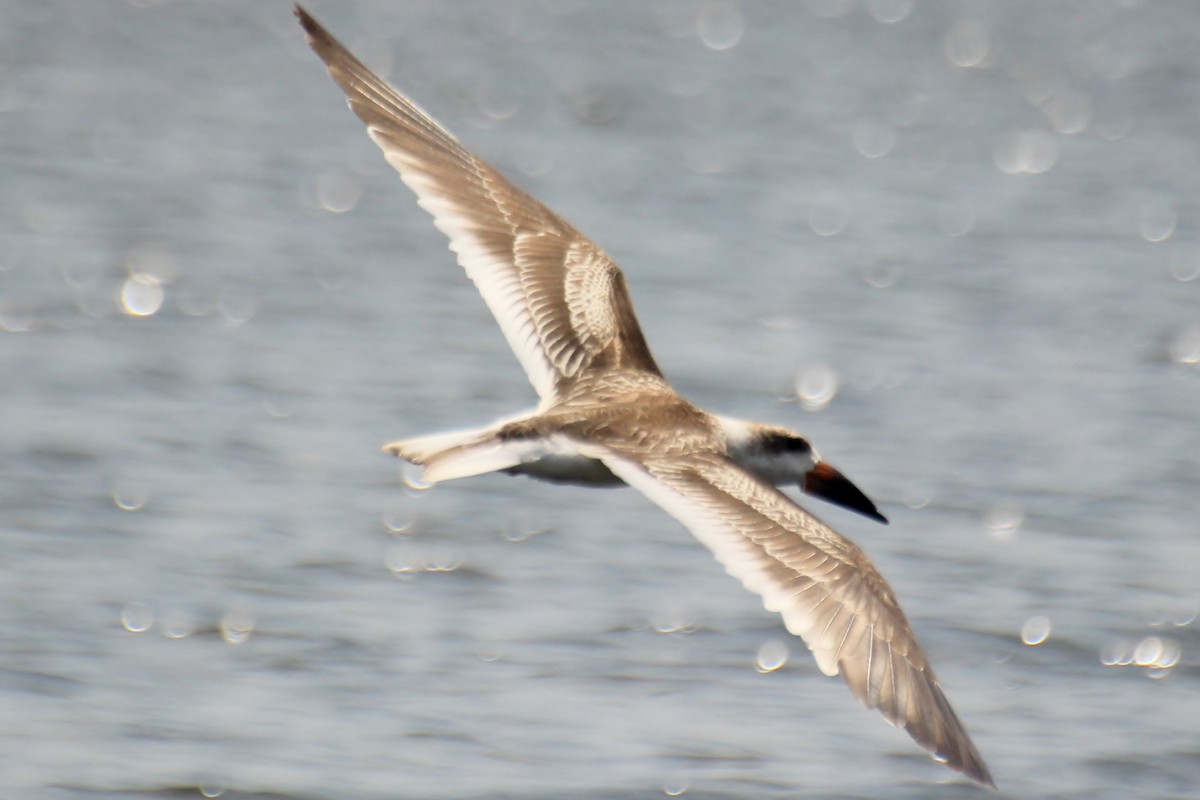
[463, 454]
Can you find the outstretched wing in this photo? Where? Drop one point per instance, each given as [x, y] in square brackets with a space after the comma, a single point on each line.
[561, 302]
[827, 590]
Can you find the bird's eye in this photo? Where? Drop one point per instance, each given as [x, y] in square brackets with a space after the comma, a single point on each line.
[785, 443]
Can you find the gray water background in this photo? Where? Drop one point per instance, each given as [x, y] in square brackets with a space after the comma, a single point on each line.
[977, 220]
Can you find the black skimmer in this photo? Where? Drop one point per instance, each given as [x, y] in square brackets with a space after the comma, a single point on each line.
[607, 416]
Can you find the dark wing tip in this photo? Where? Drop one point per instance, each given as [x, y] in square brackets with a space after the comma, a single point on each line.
[970, 763]
[310, 25]
[319, 39]
[932, 724]
[976, 770]
[940, 731]
[885, 669]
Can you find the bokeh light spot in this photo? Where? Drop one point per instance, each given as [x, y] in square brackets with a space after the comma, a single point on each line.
[522, 532]
[720, 26]
[1030, 152]
[873, 141]
[1036, 630]
[1148, 651]
[1003, 521]
[1158, 655]
[1116, 653]
[828, 217]
[816, 386]
[338, 191]
[1185, 617]
[884, 273]
[237, 305]
[398, 520]
[401, 560]
[889, 11]
[967, 43]
[674, 787]
[137, 617]
[236, 626]
[771, 656]
[14, 319]
[1157, 219]
[1185, 267]
[442, 559]
[141, 295]
[178, 625]
[412, 476]
[673, 621]
[129, 496]
[1185, 346]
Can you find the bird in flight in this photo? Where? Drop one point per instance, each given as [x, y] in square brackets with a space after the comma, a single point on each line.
[607, 416]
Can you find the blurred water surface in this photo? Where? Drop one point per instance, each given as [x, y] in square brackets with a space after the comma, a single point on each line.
[956, 243]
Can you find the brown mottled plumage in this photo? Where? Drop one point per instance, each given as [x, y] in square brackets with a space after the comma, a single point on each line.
[607, 416]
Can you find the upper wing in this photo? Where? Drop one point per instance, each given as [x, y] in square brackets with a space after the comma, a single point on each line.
[560, 301]
[825, 587]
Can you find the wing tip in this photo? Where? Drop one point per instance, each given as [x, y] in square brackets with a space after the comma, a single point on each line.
[981, 774]
[973, 768]
[916, 704]
[319, 39]
[957, 752]
[310, 25]
[943, 734]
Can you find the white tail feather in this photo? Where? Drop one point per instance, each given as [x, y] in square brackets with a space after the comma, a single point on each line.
[477, 459]
[463, 454]
[422, 449]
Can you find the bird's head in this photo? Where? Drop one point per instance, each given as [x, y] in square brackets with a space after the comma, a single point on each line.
[784, 457]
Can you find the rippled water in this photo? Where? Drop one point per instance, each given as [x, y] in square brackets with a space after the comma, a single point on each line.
[955, 243]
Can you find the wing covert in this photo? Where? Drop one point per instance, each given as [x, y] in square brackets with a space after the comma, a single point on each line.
[824, 586]
[560, 301]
